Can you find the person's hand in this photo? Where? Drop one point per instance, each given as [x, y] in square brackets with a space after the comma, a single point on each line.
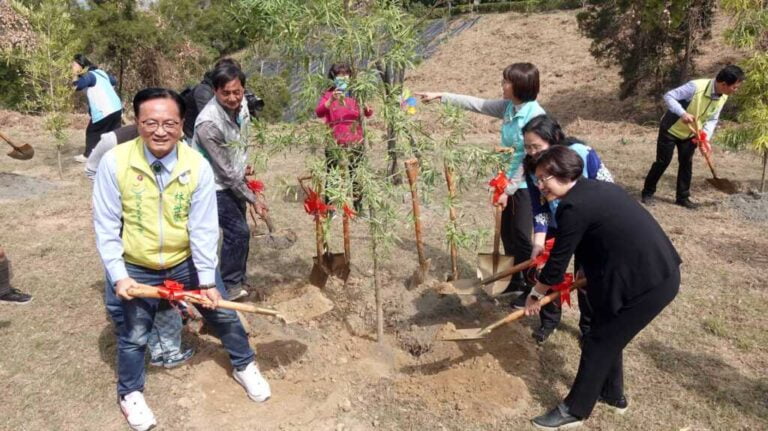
[76, 69]
[428, 96]
[122, 286]
[687, 118]
[502, 202]
[213, 296]
[532, 306]
[536, 250]
[248, 170]
[260, 206]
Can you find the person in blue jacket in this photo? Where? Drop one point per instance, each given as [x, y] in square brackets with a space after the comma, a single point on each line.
[520, 88]
[540, 134]
[104, 105]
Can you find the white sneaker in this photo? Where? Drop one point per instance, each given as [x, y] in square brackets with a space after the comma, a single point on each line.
[137, 412]
[255, 385]
[80, 158]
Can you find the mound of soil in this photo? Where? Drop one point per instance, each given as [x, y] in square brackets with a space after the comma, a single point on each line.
[752, 206]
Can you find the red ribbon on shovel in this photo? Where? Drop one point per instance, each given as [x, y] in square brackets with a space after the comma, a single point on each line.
[255, 186]
[541, 259]
[499, 185]
[174, 291]
[564, 288]
[350, 213]
[702, 140]
[315, 206]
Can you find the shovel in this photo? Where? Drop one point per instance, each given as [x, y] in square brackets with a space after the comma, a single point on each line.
[283, 239]
[723, 184]
[420, 274]
[145, 291]
[450, 333]
[448, 171]
[474, 286]
[489, 264]
[23, 152]
[324, 263]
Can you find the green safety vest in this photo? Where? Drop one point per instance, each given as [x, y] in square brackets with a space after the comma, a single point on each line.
[702, 106]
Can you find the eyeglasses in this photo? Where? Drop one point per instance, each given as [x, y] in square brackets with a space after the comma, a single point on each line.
[545, 179]
[151, 126]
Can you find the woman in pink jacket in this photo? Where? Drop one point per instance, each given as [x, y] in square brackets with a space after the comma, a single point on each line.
[342, 114]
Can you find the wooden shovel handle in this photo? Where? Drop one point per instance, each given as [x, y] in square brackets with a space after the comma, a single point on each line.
[448, 171]
[695, 131]
[146, 291]
[412, 172]
[511, 317]
[6, 139]
[507, 272]
[345, 233]
[496, 236]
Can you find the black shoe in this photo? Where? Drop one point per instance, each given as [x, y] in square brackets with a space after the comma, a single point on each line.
[541, 334]
[15, 296]
[646, 199]
[619, 406]
[519, 302]
[687, 203]
[515, 287]
[557, 418]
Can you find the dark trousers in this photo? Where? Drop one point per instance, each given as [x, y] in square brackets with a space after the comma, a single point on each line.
[665, 147]
[601, 371]
[517, 226]
[235, 238]
[94, 131]
[352, 156]
[551, 313]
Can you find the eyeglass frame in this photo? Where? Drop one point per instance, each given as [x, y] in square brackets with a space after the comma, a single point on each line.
[168, 125]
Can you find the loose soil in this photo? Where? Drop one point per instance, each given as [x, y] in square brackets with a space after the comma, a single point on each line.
[701, 365]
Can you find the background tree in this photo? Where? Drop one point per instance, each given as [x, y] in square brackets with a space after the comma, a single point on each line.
[47, 66]
[750, 32]
[652, 41]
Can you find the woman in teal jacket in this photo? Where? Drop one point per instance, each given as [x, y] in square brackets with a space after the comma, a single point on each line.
[520, 87]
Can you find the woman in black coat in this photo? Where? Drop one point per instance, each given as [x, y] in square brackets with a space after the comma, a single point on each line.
[633, 272]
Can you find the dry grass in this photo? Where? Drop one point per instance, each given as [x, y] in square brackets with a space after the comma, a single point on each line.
[700, 366]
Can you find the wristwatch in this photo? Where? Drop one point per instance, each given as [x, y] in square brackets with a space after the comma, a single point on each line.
[206, 286]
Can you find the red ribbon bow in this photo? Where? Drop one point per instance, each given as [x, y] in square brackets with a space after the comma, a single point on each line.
[256, 186]
[174, 291]
[702, 140]
[541, 259]
[349, 212]
[564, 288]
[315, 206]
[499, 185]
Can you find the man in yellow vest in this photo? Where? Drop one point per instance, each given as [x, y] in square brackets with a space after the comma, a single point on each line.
[697, 103]
[155, 216]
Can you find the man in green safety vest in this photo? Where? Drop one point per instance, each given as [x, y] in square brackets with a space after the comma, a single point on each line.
[695, 105]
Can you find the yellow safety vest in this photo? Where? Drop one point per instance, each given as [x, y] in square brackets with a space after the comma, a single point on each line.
[155, 233]
[702, 106]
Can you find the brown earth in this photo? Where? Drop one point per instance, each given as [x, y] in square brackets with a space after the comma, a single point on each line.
[700, 366]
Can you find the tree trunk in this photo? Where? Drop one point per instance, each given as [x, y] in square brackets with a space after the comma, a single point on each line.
[392, 77]
[61, 169]
[377, 284]
[765, 164]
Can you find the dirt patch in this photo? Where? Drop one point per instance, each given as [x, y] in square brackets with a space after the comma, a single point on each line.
[16, 186]
[752, 206]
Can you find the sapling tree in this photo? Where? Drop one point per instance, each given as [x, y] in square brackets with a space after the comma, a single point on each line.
[750, 32]
[47, 65]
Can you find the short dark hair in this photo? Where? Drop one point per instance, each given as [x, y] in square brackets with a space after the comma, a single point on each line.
[83, 61]
[730, 74]
[339, 68]
[221, 76]
[227, 61]
[546, 128]
[151, 93]
[525, 80]
[560, 161]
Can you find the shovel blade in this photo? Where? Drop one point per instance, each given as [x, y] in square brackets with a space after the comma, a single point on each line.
[465, 286]
[25, 152]
[339, 266]
[724, 185]
[485, 270]
[319, 274]
[450, 333]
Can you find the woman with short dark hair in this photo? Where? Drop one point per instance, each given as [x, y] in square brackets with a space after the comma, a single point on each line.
[520, 87]
[541, 134]
[632, 268]
[342, 114]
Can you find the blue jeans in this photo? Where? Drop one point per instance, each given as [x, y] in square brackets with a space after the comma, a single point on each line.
[235, 238]
[138, 319]
[165, 337]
